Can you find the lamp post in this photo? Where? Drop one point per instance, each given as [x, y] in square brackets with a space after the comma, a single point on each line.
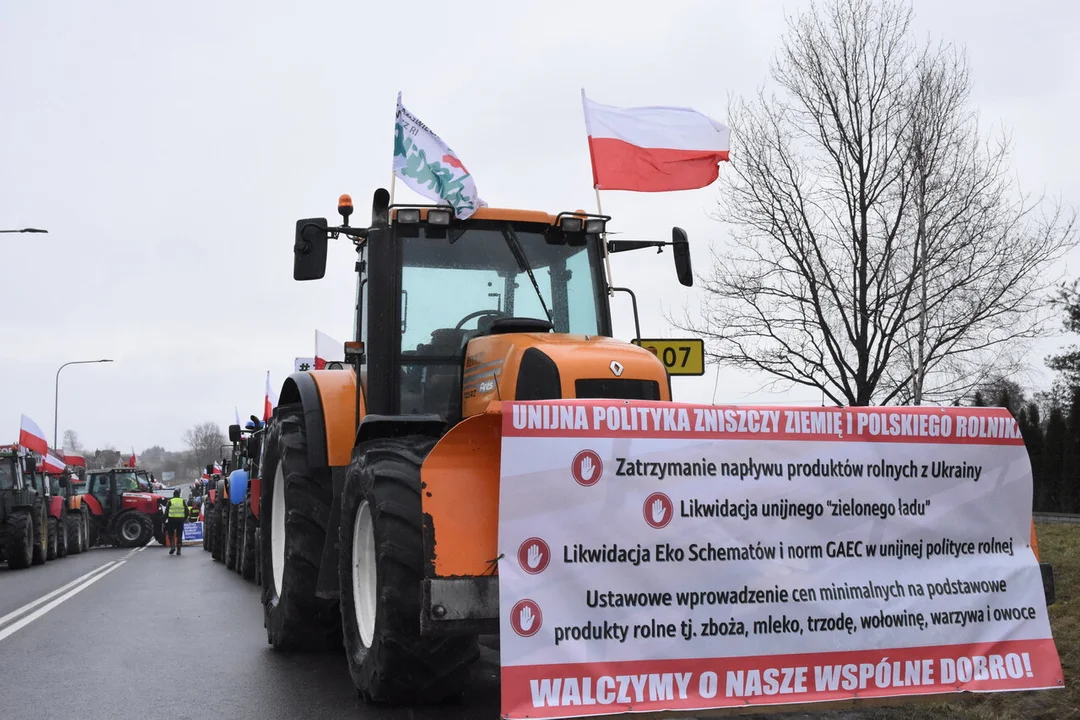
[25, 230]
[56, 392]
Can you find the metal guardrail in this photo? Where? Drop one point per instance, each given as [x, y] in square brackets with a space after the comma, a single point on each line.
[1057, 518]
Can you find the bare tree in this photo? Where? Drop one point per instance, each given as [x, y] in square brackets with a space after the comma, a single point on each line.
[880, 250]
[205, 441]
[71, 441]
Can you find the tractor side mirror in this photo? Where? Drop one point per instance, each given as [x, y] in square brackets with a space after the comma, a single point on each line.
[234, 433]
[210, 469]
[309, 249]
[64, 482]
[29, 466]
[680, 250]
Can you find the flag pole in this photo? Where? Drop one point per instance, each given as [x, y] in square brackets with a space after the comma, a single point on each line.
[596, 189]
[393, 172]
[603, 241]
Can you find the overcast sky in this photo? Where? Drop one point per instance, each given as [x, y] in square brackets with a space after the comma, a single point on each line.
[170, 147]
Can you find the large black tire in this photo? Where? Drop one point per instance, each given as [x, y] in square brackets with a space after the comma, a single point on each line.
[74, 522]
[295, 502]
[381, 524]
[61, 538]
[216, 545]
[41, 538]
[93, 531]
[52, 547]
[230, 537]
[19, 539]
[159, 531]
[246, 565]
[208, 522]
[134, 529]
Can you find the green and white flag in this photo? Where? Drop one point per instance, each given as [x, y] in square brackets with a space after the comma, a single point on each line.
[427, 164]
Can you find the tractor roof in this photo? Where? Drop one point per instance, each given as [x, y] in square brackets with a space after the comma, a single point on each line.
[509, 214]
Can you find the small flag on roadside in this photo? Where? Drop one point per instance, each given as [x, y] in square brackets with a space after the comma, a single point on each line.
[427, 165]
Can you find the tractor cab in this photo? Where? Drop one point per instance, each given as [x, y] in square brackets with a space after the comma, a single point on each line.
[454, 314]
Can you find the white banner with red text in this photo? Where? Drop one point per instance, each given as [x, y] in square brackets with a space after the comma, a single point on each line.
[675, 557]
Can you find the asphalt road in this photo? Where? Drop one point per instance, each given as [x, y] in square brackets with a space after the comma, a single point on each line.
[139, 633]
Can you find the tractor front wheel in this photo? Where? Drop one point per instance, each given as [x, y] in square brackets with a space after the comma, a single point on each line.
[19, 539]
[248, 528]
[52, 546]
[61, 538]
[74, 529]
[41, 539]
[381, 572]
[134, 530]
[230, 537]
[295, 510]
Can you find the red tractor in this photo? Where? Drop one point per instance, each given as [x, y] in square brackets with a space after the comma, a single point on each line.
[122, 510]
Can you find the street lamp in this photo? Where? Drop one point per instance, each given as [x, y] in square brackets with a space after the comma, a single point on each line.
[25, 230]
[56, 393]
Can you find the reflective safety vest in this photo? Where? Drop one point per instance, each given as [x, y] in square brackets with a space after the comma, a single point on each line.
[176, 508]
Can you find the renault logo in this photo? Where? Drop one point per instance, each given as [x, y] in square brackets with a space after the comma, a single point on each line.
[616, 368]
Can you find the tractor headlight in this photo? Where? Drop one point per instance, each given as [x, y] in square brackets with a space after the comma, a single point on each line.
[571, 224]
[594, 226]
[408, 216]
[438, 217]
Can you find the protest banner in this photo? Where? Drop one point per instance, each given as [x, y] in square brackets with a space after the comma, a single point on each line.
[193, 532]
[680, 558]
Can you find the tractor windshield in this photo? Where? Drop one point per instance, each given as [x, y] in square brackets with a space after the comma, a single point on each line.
[480, 274]
[453, 287]
[7, 473]
[126, 482]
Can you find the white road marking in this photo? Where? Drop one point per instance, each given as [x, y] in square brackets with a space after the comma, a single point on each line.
[45, 598]
[15, 627]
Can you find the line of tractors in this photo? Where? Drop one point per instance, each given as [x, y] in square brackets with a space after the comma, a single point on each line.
[50, 512]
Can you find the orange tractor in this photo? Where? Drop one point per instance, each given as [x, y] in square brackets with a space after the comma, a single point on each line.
[378, 507]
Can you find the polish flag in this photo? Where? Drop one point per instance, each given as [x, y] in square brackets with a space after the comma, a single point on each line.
[653, 149]
[31, 437]
[217, 468]
[327, 349]
[131, 460]
[270, 400]
[74, 459]
[52, 464]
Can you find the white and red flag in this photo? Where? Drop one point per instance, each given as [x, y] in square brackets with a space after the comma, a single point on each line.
[327, 350]
[32, 438]
[52, 464]
[270, 400]
[75, 459]
[131, 460]
[655, 148]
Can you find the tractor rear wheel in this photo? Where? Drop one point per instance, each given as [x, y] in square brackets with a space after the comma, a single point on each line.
[208, 522]
[219, 520]
[230, 537]
[41, 538]
[52, 546]
[249, 526]
[61, 538]
[19, 539]
[74, 523]
[381, 573]
[295, 508]
[134, 530]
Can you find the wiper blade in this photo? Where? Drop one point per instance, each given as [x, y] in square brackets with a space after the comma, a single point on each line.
[523, 263]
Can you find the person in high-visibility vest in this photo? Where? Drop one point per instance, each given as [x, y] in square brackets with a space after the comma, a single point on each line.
[176, 517]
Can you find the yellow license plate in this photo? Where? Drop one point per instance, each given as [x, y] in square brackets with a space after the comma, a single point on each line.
[680, 357]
